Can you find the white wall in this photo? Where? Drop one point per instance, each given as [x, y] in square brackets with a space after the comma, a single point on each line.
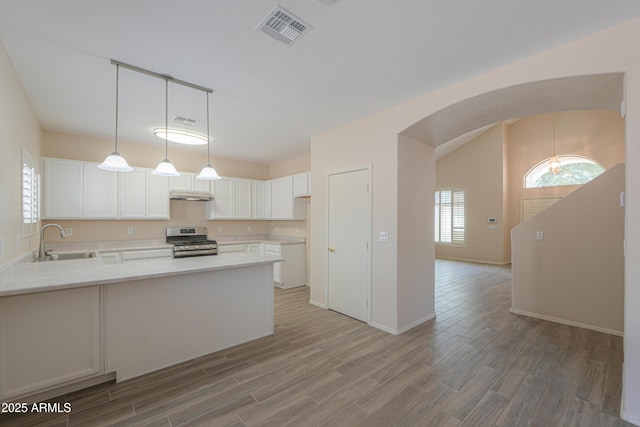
[373, 139]
[19, 128]
[575, 274]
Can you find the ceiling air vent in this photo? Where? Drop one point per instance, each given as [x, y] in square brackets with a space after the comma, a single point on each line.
[184, 121]
[283, 26]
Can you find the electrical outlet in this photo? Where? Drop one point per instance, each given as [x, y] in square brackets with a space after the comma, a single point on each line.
[219, 229]
[297, 229]
[129, 230]
[69, 231]
[248, 228]
[539, 235]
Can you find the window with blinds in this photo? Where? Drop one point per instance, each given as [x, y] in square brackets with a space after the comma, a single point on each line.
[449, 217]
[30, 196]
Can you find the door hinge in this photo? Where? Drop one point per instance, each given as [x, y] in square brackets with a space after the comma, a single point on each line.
[367, 188]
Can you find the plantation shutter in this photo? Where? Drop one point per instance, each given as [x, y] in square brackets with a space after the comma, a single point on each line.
[449, 216]
[30, 198]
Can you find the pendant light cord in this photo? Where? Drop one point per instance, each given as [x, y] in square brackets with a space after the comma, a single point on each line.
[208, 134]
[166, 118]
[117, 81]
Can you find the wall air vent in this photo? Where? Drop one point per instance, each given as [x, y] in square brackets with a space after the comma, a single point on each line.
[283, 26]
[184, 121]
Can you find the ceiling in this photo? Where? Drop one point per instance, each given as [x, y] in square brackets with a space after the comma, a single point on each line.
[361, 56]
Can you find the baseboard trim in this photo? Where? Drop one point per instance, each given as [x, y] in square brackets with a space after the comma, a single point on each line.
[631, 418]
[567, 322]
[475, 261]
[404, 328]
[318, 304]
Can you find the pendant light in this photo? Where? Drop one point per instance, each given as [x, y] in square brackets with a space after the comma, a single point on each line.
[115, 162]
[554, 162]
[165, 168]
[208, 172]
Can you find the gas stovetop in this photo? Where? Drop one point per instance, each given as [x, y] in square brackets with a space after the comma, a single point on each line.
[191, 241]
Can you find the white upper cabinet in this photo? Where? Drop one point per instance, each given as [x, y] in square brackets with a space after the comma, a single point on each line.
[258, 199]
[81, 190]
[302, 184]
[232, 199]
[143, 195]
[187, 181]
[63, 188]
[283, 204]
[100, 192]
[132, 185]
[268, 201]
[242, 198]
[157, 196]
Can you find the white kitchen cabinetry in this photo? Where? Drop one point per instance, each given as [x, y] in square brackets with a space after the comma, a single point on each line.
[283, 204]
[139, 255]
[258, 199]
[232, 199]
[143, 195]
[132, 185]
[63, 188]
[231, 248]
[100, 195]
[268, 202]
[187, 181]
[221, 207]
[157, 196]
[291, 272]
[49, 339]
[302, 185]
[242, 198]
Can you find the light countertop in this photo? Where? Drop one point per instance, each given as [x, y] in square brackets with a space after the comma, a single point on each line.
[31, 277]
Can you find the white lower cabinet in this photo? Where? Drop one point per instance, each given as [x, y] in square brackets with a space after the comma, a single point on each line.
[291, 272]
[49, 339]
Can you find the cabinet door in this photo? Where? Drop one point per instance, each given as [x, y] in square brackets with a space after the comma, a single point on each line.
[200, 184]
[258, 200]
[133, 193]
[230, 248]
[157, 196]
[282, 198]
[268, 200]
[182, 182]
[301, 185]
[242, 198]
[221, 207]
[63, 195]
[49, 339]
[100, 192]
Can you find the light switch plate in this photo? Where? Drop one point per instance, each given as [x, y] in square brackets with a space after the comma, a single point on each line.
[383, 236]
[539, 235]
[129, 230]
[69, 231]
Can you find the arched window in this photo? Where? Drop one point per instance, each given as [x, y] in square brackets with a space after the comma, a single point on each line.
[574, 170]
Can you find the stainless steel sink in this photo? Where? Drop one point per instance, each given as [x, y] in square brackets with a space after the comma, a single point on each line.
[69, 256]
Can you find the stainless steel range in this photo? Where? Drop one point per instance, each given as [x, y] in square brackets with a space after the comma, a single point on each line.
[191, 241]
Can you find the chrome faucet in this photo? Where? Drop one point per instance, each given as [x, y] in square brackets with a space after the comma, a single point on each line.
[43, 252]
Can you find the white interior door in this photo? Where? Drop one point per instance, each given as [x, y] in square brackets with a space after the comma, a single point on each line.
[349, 232]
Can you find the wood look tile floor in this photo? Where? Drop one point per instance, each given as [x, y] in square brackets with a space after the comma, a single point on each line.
[476, 364]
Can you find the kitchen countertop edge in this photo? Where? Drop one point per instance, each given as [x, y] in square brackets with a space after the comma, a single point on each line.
[29, 278]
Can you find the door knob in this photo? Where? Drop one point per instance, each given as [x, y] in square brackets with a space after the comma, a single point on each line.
[331, 249]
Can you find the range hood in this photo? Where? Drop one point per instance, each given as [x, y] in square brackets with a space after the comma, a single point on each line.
[203, 196]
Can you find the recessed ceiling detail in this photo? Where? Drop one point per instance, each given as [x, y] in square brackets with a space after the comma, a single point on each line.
[283, 26]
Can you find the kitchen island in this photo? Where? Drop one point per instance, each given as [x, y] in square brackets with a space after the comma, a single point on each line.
[65, 324]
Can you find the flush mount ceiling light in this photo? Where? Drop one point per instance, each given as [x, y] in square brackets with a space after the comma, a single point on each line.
[181, 136]
[208, 172]
[114, 161]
